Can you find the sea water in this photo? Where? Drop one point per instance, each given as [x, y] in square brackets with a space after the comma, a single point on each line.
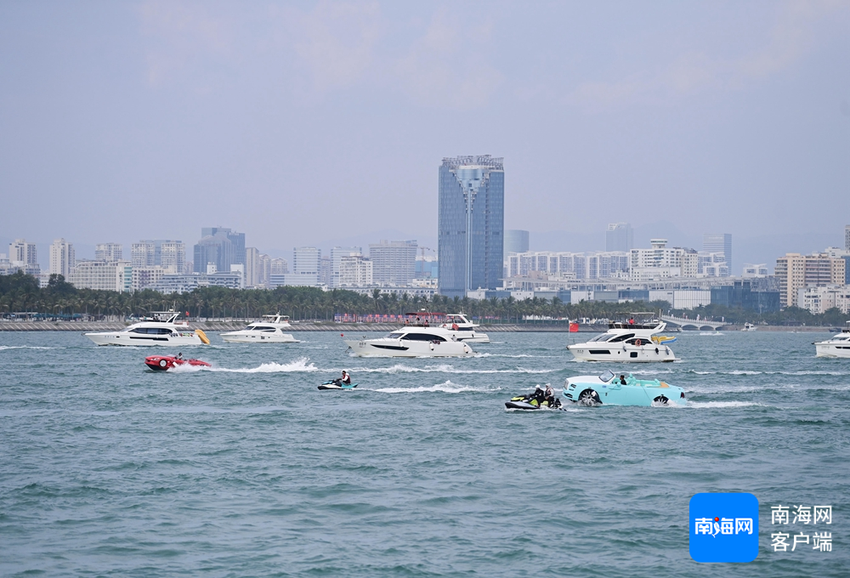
[246, 469]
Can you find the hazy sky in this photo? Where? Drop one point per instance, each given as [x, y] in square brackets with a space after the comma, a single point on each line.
[303, 122]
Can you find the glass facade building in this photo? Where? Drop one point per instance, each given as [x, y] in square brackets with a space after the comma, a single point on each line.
[619, 237]
[220, 247]
[471, 224]
[719, 243]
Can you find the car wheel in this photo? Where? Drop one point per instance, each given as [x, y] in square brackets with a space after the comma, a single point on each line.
[589, 397]
[661, 400]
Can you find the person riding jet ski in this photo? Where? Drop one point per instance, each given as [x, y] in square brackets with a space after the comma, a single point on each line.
[344, 380]
[540, 398]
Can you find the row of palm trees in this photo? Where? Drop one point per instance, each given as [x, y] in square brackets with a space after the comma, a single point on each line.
[21, 293]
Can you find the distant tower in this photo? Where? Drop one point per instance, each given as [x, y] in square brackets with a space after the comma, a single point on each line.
[619, 237]
[719, 243]
[109, 252]
[471, 224]
[23, 252]
[393, 263]
[220, 246]
[62, 259]
[337, 253]
[847, 237]
[516, 241]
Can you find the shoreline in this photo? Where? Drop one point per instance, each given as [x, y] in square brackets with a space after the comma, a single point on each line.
[230, 325]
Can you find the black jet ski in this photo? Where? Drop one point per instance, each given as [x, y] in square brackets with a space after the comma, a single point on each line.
[532, 401]
[334, 384]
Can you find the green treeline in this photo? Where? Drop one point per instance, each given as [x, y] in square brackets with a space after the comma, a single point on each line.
[21, 293]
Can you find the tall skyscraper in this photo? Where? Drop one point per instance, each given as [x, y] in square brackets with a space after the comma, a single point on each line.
[62, 258]
[516, 241]
[306, 265]
[337, 253]
[170, 255]
[166, 253]
[847, 237]
[471, 223]
[393, 263]
[719, 243]
[253, 274]
[795, 271]
[108, 252]
[619, 237]
[220, 247]
[22, 252]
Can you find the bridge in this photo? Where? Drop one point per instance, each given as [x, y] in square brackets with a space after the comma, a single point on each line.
[701, 325]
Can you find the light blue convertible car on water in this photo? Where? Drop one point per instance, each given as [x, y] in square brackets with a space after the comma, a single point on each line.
[610, 389]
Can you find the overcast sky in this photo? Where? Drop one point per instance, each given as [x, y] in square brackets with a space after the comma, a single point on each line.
[303, 122]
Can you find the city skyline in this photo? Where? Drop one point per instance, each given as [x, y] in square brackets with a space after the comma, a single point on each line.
[296, 117]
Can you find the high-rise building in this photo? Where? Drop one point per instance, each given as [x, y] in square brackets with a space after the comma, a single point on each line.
[393, 263]
[662, 262]
[795, 272]
[516, 241]
[143, 254]
[108, 252]
[252, 267]
[306, 264]
[847, 238]
[719, 243]
[471, 224]
[170, 255]
[355, 271]
[619, 237]
[103, 275]
[337, 253]
[22, 252]
[279, 266]
[62, 258]
[221, 247]
[166, 253]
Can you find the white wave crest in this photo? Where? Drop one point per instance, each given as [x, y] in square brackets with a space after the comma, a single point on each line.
[299, 365]
[445, 387]
[446, 368]
[756, 372]
[720, 404]
[5, 347]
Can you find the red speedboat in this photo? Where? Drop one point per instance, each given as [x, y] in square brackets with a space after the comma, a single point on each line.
[163, 362]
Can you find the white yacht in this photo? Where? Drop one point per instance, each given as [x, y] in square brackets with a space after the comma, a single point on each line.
[749, 327]
[268, 330]
[160, 329]
[413, 341]
[837, 346]
[628, 342]
[465, 329]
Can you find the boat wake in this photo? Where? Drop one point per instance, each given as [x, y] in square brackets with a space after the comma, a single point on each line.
[723, 404]
[757, 372]
[5, 347]
[445, 387]
[446, 368]
[299, 365]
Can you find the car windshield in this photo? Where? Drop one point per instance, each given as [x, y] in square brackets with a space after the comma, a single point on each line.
[607, 376]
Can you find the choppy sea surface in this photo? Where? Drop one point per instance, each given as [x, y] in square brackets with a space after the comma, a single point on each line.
[246, 469]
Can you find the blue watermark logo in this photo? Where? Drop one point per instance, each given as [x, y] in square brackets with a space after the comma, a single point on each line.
[724, 527]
